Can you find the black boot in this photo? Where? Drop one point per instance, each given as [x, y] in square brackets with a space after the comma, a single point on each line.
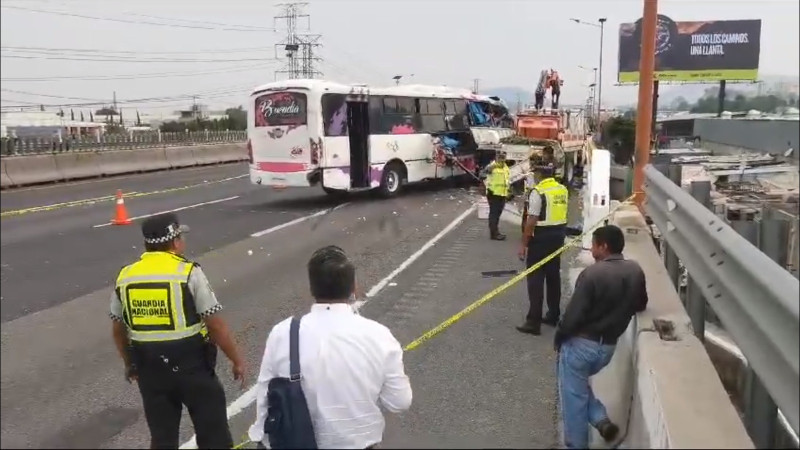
[530, 328]
[550, 321]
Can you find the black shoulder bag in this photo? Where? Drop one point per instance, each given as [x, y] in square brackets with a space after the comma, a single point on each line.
[288, 423]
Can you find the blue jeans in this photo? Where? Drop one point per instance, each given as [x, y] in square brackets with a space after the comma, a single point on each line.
[578, 360]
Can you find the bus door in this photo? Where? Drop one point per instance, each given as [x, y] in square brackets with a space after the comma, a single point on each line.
[358, 131]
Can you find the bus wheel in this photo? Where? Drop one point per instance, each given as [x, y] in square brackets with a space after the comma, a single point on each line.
[391, 181]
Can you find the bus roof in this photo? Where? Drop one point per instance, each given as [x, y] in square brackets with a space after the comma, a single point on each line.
[410, 90]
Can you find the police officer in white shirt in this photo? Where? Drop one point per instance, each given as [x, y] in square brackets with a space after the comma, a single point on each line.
[351, 365]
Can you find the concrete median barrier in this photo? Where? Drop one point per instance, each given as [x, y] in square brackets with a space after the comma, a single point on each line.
[215, 154]
[661, 386]
[180, 157]
[32, 169]
[74, 166]
[6, 180]
[36, 169]
[131, 161]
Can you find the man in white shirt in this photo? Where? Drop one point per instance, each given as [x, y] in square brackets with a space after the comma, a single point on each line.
[350, 364]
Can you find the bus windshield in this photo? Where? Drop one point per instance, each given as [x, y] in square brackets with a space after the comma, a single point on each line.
[281, 109]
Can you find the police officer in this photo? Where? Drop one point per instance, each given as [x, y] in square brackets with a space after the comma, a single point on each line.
[547, 157]
[166, 326]
[498, 188]
[544, 233]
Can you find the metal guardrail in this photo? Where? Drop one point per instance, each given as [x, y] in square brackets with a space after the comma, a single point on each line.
[10, 146]
[755, 298]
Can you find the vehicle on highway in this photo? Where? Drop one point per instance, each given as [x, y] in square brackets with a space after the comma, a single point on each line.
[304, 133]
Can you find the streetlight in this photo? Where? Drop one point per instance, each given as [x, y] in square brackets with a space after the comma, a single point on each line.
[397, 78]
[600, 24]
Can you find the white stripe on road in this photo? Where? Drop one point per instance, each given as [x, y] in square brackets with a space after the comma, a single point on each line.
[382, 284]
[249, 396]
[174, 210]
[295, 221]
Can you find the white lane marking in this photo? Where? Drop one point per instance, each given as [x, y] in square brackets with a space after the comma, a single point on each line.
[174, 210]
[249, 396]
[295, 221]
[381, 284]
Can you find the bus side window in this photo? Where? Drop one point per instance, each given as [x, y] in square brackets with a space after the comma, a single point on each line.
[433, 117]
[334, 114]
[390, 105]
[376, 115]
[405, 105]
[456, 114]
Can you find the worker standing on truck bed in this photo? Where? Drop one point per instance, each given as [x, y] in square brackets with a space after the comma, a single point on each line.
[498, 187]
[544, 233]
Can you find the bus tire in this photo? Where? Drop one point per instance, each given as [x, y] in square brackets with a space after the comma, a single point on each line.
[391, 180]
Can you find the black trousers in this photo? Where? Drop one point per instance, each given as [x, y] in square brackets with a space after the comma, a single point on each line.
[540, 246]
[524, 216]
[165, 390]
[496, 205]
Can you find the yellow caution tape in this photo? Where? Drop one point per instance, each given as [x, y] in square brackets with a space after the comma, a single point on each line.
[498, 290]
[244, 442]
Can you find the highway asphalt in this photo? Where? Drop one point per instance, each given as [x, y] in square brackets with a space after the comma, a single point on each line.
[479, 384]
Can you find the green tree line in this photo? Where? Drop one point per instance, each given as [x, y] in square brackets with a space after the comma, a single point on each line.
[236, 119]
[735, 101]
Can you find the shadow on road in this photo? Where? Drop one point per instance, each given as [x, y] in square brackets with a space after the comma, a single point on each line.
[293, 199]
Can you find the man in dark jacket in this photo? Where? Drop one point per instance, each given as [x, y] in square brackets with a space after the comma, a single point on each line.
[607, 295]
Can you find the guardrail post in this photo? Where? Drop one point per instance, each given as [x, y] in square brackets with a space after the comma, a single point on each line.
[760, 411]
[670, 258]
[695, 302]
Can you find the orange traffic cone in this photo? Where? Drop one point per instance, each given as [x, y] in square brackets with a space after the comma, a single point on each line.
[121, 214]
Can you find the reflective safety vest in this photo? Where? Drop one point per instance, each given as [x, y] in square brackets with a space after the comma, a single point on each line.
[499, 180]
[555, 198]
[156, 303]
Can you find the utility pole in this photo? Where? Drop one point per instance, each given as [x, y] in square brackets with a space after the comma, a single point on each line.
[644, 109]
[299, 48]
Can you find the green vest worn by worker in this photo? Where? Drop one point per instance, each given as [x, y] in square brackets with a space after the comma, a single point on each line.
[499, 179]
[156, 302]
[554, 203]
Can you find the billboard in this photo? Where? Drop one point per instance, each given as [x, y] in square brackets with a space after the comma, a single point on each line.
[694, 51]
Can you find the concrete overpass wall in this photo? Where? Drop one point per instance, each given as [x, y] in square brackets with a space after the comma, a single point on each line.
[735, 136]
[661, 385]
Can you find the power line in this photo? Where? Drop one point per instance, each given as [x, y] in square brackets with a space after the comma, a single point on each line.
[50, 56]
[135, 52]
[209, 94]
[134, 76]
[140, 22]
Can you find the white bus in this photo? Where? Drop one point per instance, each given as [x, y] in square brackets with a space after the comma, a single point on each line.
[305, 133]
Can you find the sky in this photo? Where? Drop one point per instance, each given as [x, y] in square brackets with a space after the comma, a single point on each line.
[167, 54]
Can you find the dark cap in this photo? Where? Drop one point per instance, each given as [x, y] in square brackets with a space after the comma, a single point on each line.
[162, 228]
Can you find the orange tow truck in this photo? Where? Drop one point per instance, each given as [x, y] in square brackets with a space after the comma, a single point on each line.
[562, 129]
